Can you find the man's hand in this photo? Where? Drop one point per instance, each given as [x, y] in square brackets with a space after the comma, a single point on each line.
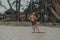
[29, 18]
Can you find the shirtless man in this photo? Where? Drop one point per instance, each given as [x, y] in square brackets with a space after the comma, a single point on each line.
[33, 19]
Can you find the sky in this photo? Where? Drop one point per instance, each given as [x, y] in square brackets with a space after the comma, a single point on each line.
[5, 3]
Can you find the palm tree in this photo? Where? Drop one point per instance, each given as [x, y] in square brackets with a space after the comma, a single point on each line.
[18, 5]
[55, 9]
[10, 10]
[18, 9]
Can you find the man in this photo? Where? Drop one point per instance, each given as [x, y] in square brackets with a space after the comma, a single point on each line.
[32, 17]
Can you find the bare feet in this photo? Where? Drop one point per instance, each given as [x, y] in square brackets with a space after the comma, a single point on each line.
[37, 30]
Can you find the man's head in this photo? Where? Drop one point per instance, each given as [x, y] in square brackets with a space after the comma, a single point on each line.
[33, 13]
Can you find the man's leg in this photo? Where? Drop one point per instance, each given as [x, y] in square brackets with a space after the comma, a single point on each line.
[33, 28]
[36, 27]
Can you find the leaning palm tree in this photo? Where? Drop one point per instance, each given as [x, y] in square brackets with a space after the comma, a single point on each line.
[57, 6]
[54, 7]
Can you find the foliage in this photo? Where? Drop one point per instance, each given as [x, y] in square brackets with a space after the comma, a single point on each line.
[58, 1]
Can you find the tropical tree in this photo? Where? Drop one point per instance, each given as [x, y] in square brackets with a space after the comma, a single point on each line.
[55, 8]
[18, 9]
[17, 4]
[17, 15]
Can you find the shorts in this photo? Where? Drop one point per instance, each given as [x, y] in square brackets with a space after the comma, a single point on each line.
[33, 23]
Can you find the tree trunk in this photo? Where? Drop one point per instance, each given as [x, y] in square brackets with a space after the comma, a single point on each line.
[18, 10]
[57, 6]
[9, 4]
[54, 13]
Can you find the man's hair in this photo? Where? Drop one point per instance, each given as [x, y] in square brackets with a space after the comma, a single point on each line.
[33, 12]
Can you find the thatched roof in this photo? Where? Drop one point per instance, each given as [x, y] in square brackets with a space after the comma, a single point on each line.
[10, 11]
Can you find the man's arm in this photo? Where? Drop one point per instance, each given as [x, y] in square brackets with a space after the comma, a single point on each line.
[29, 18]
[37, 17]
